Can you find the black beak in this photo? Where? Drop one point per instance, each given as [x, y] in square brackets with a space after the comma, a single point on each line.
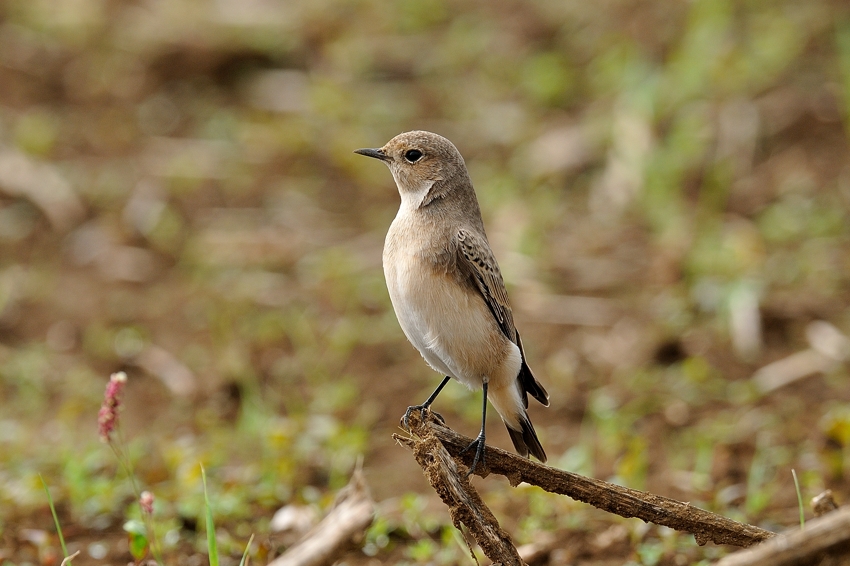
[376, 153]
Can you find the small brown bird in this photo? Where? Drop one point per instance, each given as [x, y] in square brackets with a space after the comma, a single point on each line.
[446, 287]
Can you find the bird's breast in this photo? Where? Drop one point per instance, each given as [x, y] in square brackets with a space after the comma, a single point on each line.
[447, 321]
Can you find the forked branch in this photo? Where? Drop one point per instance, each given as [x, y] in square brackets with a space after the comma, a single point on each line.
[430, 436]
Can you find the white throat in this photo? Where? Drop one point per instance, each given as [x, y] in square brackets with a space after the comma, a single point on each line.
[412, 199]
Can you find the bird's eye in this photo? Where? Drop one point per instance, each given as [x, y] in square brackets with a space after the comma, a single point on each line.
[413, 155]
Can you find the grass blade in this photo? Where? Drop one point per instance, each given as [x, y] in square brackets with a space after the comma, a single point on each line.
[67, 560]
[212, 546]
[799, 499]
[56, 521]
[245, 558]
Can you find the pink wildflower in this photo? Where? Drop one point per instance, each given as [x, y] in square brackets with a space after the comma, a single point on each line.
[146, 502]
[107, 417]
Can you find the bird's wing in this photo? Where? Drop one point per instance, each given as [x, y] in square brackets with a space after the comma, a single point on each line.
[476, 261]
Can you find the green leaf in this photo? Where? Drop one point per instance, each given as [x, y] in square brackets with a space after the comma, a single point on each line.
[137, 536]
[212, 546]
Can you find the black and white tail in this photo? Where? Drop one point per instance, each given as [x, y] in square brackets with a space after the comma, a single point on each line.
[525, 440]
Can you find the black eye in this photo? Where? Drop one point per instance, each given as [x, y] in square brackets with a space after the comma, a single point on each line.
[413, 155]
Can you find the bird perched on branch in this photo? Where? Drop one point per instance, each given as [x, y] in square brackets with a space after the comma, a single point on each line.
[446, 287]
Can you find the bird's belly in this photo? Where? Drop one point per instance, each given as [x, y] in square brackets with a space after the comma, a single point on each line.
[450, 325]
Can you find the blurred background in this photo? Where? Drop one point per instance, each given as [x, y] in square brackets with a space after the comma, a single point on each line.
[666, 186]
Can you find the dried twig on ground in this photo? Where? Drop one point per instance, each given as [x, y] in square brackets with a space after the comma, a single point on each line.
[43, 185]
[67, 559]
[829, 348]
[704, 525]
[350, 517]
[545, 542]
[824, 540]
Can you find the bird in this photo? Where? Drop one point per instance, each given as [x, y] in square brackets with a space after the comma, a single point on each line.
[447, 290]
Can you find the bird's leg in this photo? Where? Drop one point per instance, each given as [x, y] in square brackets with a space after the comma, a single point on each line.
[478, 443]
[421, 408]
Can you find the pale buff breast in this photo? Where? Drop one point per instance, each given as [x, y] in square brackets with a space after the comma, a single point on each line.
[448, 323]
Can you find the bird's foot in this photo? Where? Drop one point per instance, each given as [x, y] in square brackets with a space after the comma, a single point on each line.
[405, 420]
[479, 446]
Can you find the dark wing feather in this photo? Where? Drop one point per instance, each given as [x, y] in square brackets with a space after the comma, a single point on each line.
[528, 382]
[476, 261]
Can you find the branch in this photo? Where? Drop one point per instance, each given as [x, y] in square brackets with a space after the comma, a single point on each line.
[464, 503]
[799, 546]
[623, 501]
[827, 536]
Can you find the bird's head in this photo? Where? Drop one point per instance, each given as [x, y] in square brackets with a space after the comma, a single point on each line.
[418, 160]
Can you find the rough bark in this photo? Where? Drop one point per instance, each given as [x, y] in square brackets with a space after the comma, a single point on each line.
[623, 501]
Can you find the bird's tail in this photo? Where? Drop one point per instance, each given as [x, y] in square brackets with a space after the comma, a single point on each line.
[525, 440]
[508, 402]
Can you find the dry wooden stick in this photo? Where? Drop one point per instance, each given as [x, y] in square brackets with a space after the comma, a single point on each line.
[350, 517]
[826, 535]
[623, 501]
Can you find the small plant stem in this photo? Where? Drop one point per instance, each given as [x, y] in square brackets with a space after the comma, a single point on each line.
[67, 560]
[127, 466]
[212, 546]
[245, 557]
[56, 521]
[799, 498]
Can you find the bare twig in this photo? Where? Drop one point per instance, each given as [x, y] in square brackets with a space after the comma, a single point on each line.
[43, 185]
[623, 501]
[829, 348]
[67, 559]
[544, 544]
[351, 516]
[824, 536]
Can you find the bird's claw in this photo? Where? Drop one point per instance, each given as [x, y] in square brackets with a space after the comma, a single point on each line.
[405, 420]
[479, 445]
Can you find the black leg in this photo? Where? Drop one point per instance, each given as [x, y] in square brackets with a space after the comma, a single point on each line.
[478, 443]
[421, 408]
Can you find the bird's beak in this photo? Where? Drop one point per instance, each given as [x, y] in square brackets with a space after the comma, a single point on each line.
[376, 153]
